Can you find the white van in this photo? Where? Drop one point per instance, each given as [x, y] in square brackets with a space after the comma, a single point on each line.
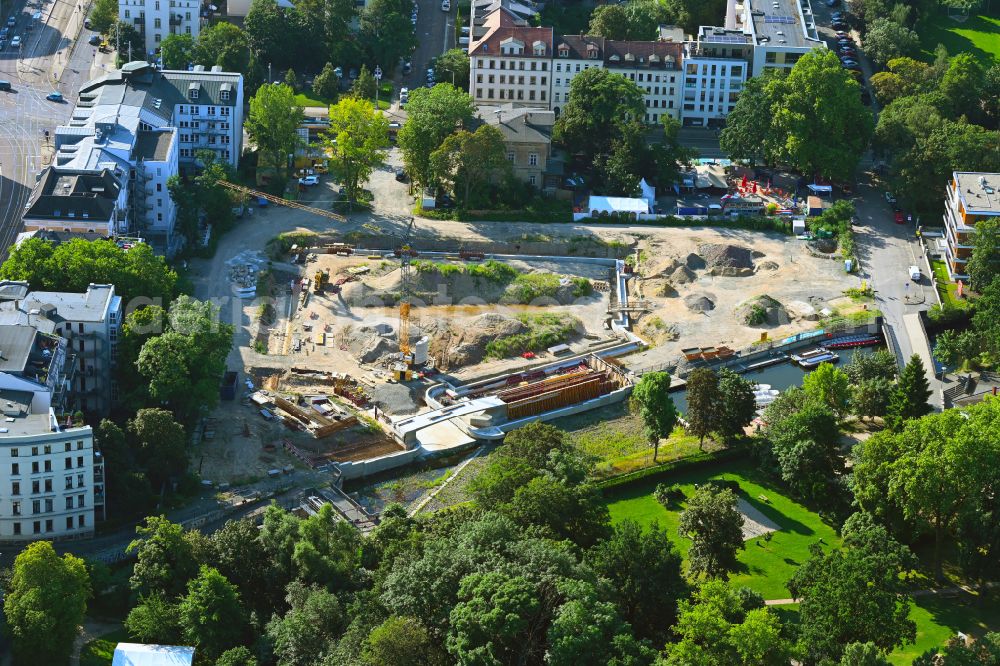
[915, 273]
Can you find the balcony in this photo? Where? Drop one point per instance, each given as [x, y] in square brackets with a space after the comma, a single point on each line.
[176, 19]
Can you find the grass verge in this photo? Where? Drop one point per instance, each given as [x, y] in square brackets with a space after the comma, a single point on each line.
[544, 330]
[100, 651]
[946, 289]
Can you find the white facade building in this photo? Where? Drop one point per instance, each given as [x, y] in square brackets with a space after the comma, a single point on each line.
[510, 63]
[782, 31]
[716, 67]
[51, 478]
[141, 125]
[89, 322]
[156, 19]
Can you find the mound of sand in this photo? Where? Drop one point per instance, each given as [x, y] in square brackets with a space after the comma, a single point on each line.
[762, 311]
[768, 266]
[699, 302]
[657, 331]
[728, 260]
[460, 343]
[369, 343]
[673, 270]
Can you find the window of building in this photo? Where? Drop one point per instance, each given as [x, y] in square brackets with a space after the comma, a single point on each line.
[48, 525]
[34, 450]
[36, 507]
[38, 526]
[193, 94]
[69, 483]
[15, 468]
[127, 13]
[510, 156]
[69, 502]
[15, 487]
[156, 23]
[79, 480]
[578, 67]
[533, 159]
[48, 485]
[225, 112]
[34, 467]
[81, 520]
[15, 508]
[81, 501]
[13, 453]
[69, 463]
[531, 179]
[79, 461]
[156, 38]
[17, 529]
[770, 57]
[69, 522]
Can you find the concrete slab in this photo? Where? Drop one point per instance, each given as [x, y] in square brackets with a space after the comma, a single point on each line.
[442, 436]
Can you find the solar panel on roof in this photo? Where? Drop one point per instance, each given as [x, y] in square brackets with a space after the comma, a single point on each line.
[787, 20]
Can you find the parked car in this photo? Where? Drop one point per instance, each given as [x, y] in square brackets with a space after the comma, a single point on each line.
[55, 97]
[898, 217]
[849, 64]
[86, 23]
[11, 21]
[309, 181]
[94, 40]
[445, 201]
[15, 43]
[3, 44]
[890, 198]
[4, 32]
[840, 25]
[401, 176]
[446, 5]
[832, 3]
[5, 86]
[847, 52]
[407, 66]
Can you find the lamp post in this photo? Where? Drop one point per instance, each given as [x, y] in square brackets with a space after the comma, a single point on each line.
[378, 83]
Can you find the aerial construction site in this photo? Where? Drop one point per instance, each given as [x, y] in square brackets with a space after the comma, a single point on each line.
[366, 351]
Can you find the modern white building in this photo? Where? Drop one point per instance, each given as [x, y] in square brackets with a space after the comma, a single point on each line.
[138, 127]
[782, 30]
[90, 323]
[716, 67]
[156, 19]
[51, 477]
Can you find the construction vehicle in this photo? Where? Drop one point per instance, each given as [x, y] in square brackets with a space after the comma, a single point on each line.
[319, 282]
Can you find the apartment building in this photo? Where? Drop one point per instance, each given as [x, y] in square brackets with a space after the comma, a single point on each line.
[36, 363]
[156, 19]
[656, 69]
[716, 67]
[970, 198]
[89, 323]
[527, 135]
[51, 476]
[782, 31]
[510, 62]
[135, 128]
[90, 201]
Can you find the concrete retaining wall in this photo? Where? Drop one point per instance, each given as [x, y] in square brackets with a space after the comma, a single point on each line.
[359, 468]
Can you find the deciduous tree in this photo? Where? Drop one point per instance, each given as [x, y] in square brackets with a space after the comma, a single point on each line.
[886, 39]
[273, 122]
[715, 526]
[176, 51]
[749, 133]
[356, 142]
[432, 114]
[45, 603]
[306, 632]
[154, 620]
[327, 84]
[452, 66]
[824, 125]
[656, 408]
[468, 161]
[211, 616]
[386, 32]
[103, 16]
[165, 561]
[704, 403]
[828, 386]
[738, 404]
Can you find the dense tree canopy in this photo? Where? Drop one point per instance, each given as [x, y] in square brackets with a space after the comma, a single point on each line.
[432, 115]
[356, 142]
[273, 122]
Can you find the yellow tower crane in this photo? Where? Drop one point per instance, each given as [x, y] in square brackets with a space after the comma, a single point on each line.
[281, 201]
[403, 370]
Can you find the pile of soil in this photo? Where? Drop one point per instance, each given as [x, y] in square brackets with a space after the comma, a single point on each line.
[762, 311]
[397, 399]
[656, 331]
[699, 302]
[464, 342]
[728, 260]
[694, 262]
[767, 266]
[369, 343]
[674, 271]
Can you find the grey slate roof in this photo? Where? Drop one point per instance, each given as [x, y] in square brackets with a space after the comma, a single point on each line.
[16, 343]
[88, 194]
[153, 146]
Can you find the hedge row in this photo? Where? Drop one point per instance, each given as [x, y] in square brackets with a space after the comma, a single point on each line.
[696, 461]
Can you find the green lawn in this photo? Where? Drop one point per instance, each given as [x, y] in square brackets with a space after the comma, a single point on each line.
[766, 566]
[100, 651]
[947, 290]
[978, 35]
[937, 618]
[614, 436]
[308, 98]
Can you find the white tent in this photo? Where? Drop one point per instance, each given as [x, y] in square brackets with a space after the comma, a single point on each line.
[648, 192]
[138, 654]
[597, 205]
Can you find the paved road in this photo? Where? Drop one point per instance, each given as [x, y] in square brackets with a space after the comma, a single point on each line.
[435, 35]
[46, 62]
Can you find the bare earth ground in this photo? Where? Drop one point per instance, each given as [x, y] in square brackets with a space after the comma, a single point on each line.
[798, 280]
